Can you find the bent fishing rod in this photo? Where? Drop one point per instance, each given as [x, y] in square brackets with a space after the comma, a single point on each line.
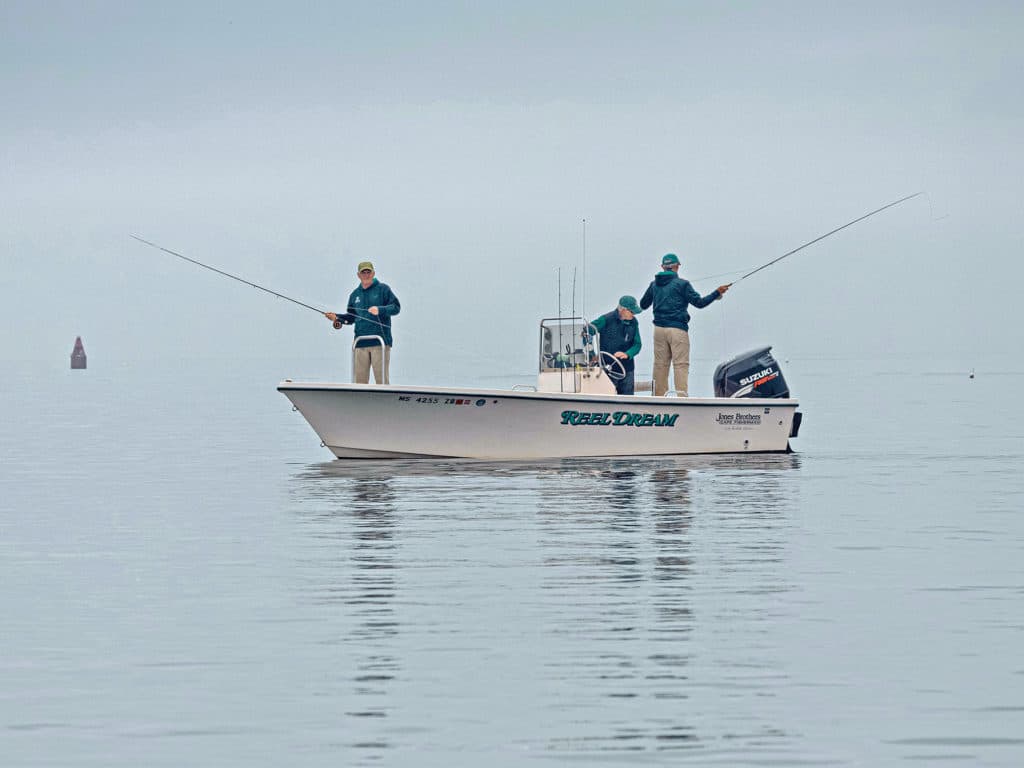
[337, 323]
[822, 237]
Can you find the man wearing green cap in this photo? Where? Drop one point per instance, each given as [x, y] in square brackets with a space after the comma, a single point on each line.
[370, 306]
[620, 337]
[671, 295]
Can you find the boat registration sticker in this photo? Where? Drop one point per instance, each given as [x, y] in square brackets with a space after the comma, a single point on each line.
[427, 400]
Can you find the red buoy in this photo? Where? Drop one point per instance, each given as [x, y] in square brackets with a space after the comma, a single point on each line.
[78, 355]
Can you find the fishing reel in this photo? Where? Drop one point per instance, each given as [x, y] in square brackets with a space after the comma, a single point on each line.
[344, 319]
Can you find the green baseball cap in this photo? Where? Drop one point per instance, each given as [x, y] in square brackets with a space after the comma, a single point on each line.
[364, 265]
[628, 302]
[669, 258]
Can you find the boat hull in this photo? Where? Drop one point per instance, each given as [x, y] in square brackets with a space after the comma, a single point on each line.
[379, 422]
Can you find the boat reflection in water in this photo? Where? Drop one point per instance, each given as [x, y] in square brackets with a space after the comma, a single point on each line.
[358, 590]
[575, 607]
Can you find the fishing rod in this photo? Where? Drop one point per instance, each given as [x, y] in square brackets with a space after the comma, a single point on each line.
[337, 323]
[827, 234]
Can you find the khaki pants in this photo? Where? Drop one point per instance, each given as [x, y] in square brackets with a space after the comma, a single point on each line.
[671, 346]
[376, 356]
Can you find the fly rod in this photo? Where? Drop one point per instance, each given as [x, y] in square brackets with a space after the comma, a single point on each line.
[337, 323]
[827, 234]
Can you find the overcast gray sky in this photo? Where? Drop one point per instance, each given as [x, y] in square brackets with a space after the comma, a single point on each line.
[459, 146]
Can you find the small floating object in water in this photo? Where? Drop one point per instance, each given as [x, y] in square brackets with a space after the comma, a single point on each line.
[78, 355]
[972, 373]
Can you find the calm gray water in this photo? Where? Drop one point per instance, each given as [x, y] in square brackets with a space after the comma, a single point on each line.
[187, 579]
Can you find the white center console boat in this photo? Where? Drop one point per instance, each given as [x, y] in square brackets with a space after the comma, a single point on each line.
[572, 411]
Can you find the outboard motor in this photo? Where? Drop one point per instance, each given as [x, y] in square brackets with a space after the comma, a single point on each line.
[752, 374]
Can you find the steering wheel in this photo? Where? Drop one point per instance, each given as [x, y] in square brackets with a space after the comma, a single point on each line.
[611, 365]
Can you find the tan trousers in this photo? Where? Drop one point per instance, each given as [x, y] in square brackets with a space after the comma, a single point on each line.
[374, 356]
[671, 347]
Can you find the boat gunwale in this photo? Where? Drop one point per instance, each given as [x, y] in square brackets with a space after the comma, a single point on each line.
[298, 386]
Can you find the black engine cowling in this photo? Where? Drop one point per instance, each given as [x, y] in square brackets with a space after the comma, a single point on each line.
[752, 374]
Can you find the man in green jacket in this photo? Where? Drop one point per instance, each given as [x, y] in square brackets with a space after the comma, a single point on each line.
[620, 338]
[370, 306]
[671, 295]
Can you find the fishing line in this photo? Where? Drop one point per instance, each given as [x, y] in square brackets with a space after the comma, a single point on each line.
[723, 274]
[370, 319]
[337, 323]
[931, 210]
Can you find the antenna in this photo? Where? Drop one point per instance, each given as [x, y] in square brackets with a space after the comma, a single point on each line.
[583, 298]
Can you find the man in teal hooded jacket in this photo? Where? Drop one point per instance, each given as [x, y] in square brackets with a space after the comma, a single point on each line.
[370, 306]
[620, 338]
[671, 295]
